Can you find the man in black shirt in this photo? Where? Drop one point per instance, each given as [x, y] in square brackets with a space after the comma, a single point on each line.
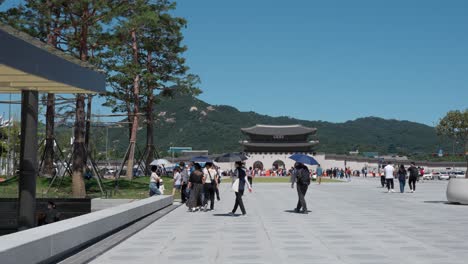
[413, 176]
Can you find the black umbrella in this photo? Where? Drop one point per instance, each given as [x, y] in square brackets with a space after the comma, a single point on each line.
[231, 157]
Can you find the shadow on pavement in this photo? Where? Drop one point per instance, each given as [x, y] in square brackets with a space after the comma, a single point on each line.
[235, 215]
[294, 212]
[443, 202]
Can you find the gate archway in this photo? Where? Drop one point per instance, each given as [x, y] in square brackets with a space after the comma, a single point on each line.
[258, 165]
[279, 164]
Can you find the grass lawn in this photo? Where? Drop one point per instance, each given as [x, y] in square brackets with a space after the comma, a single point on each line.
[135, 189]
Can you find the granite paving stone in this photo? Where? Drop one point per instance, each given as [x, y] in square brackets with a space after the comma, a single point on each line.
[349, 222]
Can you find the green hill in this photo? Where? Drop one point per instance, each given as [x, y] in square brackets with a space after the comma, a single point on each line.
[188, 121]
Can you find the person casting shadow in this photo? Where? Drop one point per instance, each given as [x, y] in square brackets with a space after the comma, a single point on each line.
[239, 187]
[301, 176]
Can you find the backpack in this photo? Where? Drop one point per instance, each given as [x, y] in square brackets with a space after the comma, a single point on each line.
[303, 177]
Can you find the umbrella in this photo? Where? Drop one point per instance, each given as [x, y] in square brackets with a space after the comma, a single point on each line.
[231, 157]
[160, 162]
[200, 159]
[302, 158]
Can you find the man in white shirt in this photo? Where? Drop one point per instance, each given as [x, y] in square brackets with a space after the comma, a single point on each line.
[211, 180]
[389, 176]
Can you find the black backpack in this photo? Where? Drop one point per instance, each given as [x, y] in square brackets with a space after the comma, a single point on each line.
[303, 177]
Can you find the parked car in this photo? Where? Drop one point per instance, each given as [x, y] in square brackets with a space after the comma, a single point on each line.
[435, 175]
[444, 175]
[428, 176]
[457, 174]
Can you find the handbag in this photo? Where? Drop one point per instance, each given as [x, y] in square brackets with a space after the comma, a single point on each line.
[235, 185]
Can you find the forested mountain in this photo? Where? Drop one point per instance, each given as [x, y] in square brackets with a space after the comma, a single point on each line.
[188, 121]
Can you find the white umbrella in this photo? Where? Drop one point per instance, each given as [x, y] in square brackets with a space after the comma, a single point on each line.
[160, 162]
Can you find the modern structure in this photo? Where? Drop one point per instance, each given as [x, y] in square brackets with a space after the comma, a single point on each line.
[29, 66]
[269, 147]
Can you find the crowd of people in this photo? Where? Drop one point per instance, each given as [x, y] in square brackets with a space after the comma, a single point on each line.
[401, 174]
[199, 186]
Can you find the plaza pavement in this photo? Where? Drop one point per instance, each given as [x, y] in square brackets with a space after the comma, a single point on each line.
[352, 222]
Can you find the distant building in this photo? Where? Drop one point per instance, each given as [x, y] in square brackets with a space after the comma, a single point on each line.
[278, 139]
[393, 157]
[269, 147]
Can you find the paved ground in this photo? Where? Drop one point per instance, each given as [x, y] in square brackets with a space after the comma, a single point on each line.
[350, 223]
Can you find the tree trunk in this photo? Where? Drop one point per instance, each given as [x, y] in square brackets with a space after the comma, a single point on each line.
[88, 126]
[136, 91]
[79, 154]
[48, 167]
[149, 131]
[49, 152]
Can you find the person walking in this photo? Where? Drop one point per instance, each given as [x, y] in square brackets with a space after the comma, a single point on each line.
[239, 182]
[154, 182]
[402, 178]
[319, 174]
[195, 186]
[177, 181]
[389, 172]
[421, 174]
[250, 175]
[382, 178]
[218, 183]
[301, 177]
[185, 173]
[211, 180]
[413, 176]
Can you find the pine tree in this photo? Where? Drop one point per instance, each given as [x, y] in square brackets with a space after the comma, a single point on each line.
[84, 41]
[147, 65]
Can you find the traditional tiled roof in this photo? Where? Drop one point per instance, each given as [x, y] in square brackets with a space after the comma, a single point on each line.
[280, 145]
[269, 130]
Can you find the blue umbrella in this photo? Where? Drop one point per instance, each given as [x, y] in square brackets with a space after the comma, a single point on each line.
[200, 159]
[302, 158]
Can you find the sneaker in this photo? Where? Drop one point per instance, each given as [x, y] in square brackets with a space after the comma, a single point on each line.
[243, 215]
[296, 210]
[387, 191]
[304, 212]
[231, 213]
[392, 191]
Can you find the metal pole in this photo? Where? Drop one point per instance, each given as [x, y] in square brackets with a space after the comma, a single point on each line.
[107, 139]
[28, 160]
[8, 144]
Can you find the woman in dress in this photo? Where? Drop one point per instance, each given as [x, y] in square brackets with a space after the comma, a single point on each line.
[195, 186]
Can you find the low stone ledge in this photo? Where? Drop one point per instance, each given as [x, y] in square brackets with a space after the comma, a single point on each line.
[50, 242]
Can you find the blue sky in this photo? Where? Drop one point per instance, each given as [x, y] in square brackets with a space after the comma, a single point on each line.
[330, 60]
